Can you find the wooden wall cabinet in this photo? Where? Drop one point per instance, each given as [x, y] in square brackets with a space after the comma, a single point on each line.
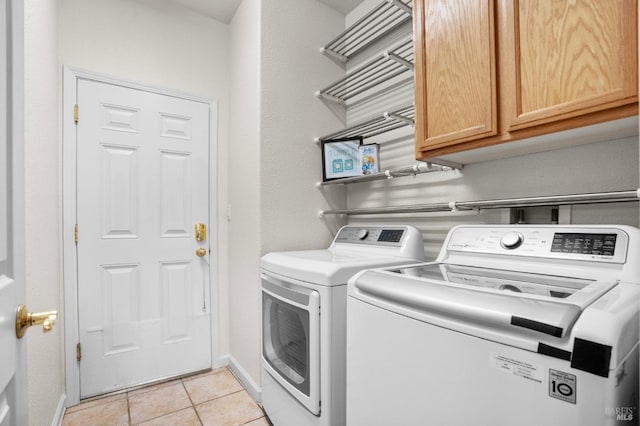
[494, 71]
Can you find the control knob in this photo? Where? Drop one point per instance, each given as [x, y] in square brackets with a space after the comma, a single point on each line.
[362, 234]
[511, 240]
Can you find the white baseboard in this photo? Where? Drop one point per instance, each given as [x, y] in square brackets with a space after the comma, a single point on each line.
[57, 418]
[254, 390]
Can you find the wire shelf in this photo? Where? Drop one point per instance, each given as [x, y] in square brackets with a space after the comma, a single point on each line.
[412, 170]
[380, 21]
[391, 63]
[389, 120]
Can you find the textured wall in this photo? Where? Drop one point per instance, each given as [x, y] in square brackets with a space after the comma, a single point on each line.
[42, 208]
[244, 189]
[273, 161]
[292, 70]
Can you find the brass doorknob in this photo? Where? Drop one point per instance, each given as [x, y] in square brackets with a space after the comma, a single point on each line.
[201, 251]
[25, 319]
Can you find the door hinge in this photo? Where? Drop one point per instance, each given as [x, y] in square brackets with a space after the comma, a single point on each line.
[78, 352]
[75, 233]
[75, 113]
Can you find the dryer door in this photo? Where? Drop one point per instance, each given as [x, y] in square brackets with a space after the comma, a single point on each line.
[291, 338]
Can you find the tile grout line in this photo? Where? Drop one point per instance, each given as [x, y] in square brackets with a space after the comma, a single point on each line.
[128, 394]
[242, 389]
[163, 415]
[191, 401]
[128, 409]
[79, 407]
[264, 413]
[170, 413]
[252, 420]
[263, 416]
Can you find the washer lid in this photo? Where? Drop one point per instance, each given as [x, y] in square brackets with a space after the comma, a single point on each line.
[326, 267]
[568, 290]
[517, 301]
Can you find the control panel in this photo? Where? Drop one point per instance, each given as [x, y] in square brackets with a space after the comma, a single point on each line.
[599, 244]
[386, 236]
[403, 241]
[592, 243]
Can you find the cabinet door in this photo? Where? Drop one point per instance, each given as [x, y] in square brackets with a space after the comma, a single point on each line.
[455, 72]
[563, 59]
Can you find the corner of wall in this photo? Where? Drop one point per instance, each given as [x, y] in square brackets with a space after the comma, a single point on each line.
[42, 207]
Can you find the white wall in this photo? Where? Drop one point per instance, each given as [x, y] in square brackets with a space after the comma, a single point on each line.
[273, 161]
[244, 190]
[292, 70]
[42, 208]
[148, 41]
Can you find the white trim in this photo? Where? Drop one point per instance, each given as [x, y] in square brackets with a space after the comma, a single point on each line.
[71, 336]
[213, 233]
[59, 415]
[69, 182]
[254, 390]
[130, 84]
[15, 123]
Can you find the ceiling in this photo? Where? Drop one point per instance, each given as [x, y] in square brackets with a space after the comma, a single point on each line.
[223, 10]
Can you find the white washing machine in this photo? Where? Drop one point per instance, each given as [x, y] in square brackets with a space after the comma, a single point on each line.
[304, 296]
[511, 325]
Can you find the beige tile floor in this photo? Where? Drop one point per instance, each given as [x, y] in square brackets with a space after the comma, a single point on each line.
[212, 398]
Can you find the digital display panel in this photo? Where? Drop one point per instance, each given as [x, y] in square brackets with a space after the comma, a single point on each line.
[595, 244]
[391, 235]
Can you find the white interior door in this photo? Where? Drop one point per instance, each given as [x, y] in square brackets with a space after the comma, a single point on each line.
[142, 186]
[13, 399]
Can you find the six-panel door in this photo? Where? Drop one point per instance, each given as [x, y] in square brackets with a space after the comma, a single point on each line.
[143, 293]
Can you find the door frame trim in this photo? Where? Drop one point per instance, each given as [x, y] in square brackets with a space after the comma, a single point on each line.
[13, 127]
[69, 210]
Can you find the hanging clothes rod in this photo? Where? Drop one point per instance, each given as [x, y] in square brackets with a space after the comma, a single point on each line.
[552, 200]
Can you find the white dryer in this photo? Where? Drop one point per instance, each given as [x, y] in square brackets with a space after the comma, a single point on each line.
[511, 325]
[304, 296]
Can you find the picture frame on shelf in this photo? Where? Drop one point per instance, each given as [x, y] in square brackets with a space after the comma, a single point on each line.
[369, 159]
[340, 158]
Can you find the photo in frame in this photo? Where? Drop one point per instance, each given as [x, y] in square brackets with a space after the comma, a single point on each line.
[340, 158]
[369, 159]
